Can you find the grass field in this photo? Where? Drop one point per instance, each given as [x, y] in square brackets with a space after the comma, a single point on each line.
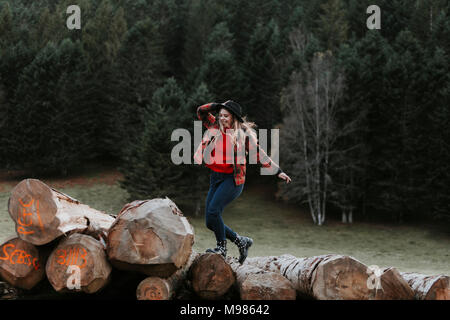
[276, 228]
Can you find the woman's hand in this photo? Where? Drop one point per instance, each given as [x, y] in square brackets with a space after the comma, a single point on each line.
[285, 177]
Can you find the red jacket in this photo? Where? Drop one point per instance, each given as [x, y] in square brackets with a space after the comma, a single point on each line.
[251, 146]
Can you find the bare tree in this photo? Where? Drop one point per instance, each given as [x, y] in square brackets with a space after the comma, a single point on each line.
[310, 129]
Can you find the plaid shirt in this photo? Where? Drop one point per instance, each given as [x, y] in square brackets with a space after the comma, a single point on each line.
[251, 147]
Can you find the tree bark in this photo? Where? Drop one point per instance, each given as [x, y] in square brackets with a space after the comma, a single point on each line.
[326, 277]
[211, 276]
[150, 236]
[157, 288]
[21, 263]
[337, 277]
[428, 287]
[257, 284]
[78, 263]
[42, 214]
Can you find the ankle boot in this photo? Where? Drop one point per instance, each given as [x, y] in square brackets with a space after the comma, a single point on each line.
[220, 249]
[243, 244]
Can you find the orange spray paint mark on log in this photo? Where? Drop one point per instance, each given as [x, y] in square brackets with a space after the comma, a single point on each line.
[153, 293]
[17, 256]
[26, 219]
[71, 257]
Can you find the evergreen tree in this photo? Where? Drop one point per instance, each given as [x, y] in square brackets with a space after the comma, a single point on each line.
[263, 75]
[440, 35]
[368, 88]
[200, 22]
[357, 17]
[103, 36]
[219, 70]
[436, 150]
[6, 26]
[49, 130]
[424, 16]
[198, 175]
[102, 39]
[140, 67]
[332, 26]
[401, 163]
[148, 168]
[171, 18]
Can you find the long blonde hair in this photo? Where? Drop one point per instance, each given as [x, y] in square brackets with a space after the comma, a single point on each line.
[240, 130]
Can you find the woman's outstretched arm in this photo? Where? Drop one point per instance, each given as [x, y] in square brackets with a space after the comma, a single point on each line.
[262, 158]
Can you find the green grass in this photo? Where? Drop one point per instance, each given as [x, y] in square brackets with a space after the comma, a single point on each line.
[279, 228]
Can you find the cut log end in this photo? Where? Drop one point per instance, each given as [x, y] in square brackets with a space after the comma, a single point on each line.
[156, 288]
[21, 263]
[392, 286]
[42, 214]
[340, 278]
[153, 288]
[33, 209]
[78, 263]
[148, 237]
[211, 276]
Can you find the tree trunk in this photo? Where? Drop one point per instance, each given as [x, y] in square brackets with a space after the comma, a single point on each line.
[257, 284]
[197, 208]
[21, 263]
[322, 277]
[42, 214]
[344, 216]
[428, 287]
[211, 276]
[78, 263]
[156, 288]
[336, 277]
[150, 236]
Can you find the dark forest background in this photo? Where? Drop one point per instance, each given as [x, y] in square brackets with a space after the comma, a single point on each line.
[138, 69]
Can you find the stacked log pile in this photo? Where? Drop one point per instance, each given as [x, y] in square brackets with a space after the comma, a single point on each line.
[75, 248]
[428, 287]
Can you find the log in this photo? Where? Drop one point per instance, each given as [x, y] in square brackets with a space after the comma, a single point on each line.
[8, 292]
[257, 284]
[211, 276]
[157, 288]
[325, 277]
[21, 263]
[337, 277]
[392, 286]
[150, 236]
[42, 214]
[78, 263]
[436, 287]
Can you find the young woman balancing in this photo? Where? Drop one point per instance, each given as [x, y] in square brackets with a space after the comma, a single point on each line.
[223, 149]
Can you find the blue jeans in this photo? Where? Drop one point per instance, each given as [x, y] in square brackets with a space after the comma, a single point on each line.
[222, 190]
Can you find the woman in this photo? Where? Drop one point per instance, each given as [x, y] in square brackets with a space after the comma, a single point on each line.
[224, 146]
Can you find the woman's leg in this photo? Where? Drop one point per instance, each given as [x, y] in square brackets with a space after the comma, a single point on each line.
[210, 223]
[224, 192]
